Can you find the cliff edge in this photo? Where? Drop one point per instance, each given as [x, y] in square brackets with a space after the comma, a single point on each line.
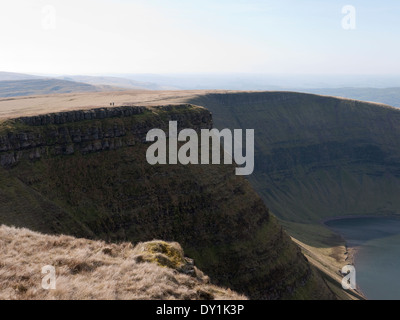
[84, 173]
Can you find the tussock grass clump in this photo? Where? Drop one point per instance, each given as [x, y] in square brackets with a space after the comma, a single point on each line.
[88, 269]
[163, 253]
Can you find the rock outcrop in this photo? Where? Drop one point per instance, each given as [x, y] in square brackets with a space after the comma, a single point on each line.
[65, 133]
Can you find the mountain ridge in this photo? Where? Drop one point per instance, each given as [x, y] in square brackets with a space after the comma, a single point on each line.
[103, 188]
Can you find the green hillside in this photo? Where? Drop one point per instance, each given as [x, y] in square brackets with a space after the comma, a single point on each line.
[84, 173]
[317, 157]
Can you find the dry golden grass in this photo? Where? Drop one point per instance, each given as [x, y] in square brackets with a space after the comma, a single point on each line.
[41, 104]
[88, 269]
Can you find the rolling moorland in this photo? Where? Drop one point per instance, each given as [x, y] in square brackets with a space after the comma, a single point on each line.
[117, 82]
[16, 84]
[84, 173]
[19, 84]
[14, 88]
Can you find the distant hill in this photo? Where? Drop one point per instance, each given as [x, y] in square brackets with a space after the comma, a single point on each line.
[390, 96]
[116, 82]
[19, 84]
[263, 82]
[14, 88]
[12, 76]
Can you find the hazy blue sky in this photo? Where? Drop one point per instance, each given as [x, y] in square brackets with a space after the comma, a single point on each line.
[161, 36]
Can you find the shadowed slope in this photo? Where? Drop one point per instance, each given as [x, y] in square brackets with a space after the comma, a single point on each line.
[316, 156]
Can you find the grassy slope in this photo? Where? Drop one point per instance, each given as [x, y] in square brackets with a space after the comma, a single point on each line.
[116, 196]
[96, 270]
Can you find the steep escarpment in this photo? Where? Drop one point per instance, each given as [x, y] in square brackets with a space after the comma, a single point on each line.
[317, 156]
[90, 130]
[85, 174]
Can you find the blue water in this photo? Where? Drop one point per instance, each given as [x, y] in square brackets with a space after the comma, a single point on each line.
[377, 261]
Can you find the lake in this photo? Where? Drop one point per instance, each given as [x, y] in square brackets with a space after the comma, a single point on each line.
[377, 261]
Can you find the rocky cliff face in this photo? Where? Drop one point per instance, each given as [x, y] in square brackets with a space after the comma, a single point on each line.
[90, 178]
[65, 133]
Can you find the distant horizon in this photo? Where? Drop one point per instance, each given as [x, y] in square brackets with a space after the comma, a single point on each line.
[213, 74]
[230, 80]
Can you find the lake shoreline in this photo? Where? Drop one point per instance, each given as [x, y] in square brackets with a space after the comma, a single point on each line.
[354, 216]
[350, 257]
[354, 241]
